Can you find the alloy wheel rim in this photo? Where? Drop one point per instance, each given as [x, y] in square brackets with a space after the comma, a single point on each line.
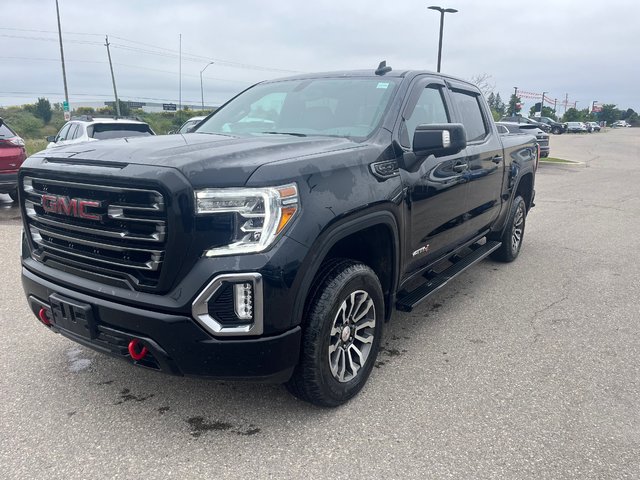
[352, 335]
[518, 229]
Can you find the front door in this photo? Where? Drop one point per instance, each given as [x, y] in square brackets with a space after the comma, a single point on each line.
[436, 193]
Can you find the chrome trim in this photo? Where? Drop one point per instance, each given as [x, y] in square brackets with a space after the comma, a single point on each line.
[157, 236]
[90, 243]
[151, 265]
[106, 188]
[200, 308]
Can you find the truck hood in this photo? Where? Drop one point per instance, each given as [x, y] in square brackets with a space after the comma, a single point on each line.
[204, 159]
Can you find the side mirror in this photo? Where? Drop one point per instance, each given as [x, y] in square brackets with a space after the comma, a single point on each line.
[191, 129]
[435, 139]
[439, 139]
[50, 138]
[171, 132]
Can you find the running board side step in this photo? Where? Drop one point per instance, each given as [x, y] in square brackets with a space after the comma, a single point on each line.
[408, 302]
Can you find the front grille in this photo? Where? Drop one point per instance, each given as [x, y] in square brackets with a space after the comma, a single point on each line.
[108, 230]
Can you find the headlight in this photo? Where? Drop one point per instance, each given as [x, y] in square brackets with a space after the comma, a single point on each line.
[261, 214]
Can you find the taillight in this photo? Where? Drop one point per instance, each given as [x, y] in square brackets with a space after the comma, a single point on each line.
[11, 142]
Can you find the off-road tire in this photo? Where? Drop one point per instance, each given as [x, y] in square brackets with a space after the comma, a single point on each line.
[510, 248]
[313, 380]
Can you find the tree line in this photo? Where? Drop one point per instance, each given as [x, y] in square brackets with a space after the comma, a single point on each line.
[609, 112]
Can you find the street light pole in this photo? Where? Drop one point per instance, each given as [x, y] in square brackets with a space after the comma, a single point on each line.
[442, 12]
[201, 87]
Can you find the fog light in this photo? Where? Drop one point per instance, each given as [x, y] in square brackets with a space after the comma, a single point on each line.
[243, 300]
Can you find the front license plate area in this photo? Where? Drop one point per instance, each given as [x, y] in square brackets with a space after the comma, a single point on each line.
[73, 316]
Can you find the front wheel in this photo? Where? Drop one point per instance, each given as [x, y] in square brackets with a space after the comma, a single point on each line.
[341, 335]
[14, 194]
[513, 234]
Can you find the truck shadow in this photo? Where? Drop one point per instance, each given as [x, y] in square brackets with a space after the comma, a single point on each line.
[201, 409]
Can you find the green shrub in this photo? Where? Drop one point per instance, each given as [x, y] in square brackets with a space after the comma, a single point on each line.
[25, 124]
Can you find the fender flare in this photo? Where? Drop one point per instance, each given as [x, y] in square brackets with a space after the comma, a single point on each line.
[325, 242]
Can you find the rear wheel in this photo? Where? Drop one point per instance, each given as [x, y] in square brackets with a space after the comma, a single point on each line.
[341, 335]
[14, 194]
[513, 234]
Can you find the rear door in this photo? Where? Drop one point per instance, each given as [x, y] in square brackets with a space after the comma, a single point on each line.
[483, 156]
[436, 193]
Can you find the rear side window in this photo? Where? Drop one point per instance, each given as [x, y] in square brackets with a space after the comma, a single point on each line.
[471, 113]
[105, 131]
[6, 132]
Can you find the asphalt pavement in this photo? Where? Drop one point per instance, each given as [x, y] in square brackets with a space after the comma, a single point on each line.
[528, 370]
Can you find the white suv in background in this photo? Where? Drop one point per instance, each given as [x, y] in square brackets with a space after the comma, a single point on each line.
[86, 128]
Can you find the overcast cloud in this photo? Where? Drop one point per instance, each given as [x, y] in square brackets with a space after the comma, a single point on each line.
[587, 49]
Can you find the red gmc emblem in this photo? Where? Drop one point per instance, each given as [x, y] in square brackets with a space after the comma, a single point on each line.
[71, 207]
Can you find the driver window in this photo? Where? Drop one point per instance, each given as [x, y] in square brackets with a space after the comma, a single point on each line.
[62, 134]
[429, 109]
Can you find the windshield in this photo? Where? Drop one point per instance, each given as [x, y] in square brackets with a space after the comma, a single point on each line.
[343, 107]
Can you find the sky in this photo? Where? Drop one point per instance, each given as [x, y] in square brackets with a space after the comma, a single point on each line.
[581, 48]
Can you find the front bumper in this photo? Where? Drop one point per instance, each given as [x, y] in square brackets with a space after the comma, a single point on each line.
[176, 344]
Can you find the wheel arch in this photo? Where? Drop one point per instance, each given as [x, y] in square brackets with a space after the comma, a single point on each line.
[348, 239]
[524, 188]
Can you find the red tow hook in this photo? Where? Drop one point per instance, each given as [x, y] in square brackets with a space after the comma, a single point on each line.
[133, 350]
[44, 317]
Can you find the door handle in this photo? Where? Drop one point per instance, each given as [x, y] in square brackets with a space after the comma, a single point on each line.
[460, 167]
[497, 159]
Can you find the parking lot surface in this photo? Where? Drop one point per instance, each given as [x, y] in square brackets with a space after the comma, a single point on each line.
[524, 370]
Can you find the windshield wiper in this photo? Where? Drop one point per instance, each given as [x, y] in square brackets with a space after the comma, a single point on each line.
[286, 133]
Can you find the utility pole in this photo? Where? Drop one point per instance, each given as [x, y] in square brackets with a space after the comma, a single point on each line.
[566, 102]
[113, 78]
[180, 80]
[64, 73]
[515, 100]
[542, 102]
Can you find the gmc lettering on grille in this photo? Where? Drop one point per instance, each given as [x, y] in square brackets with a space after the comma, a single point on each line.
[71, 207]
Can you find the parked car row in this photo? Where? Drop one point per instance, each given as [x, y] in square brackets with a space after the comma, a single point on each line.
[620, 123]
[545, 124]
[583, 127]
[542, 137]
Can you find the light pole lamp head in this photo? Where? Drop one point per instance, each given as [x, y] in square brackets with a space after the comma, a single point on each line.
[443, 10]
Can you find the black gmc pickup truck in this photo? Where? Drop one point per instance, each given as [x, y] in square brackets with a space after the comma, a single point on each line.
[274, 242]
